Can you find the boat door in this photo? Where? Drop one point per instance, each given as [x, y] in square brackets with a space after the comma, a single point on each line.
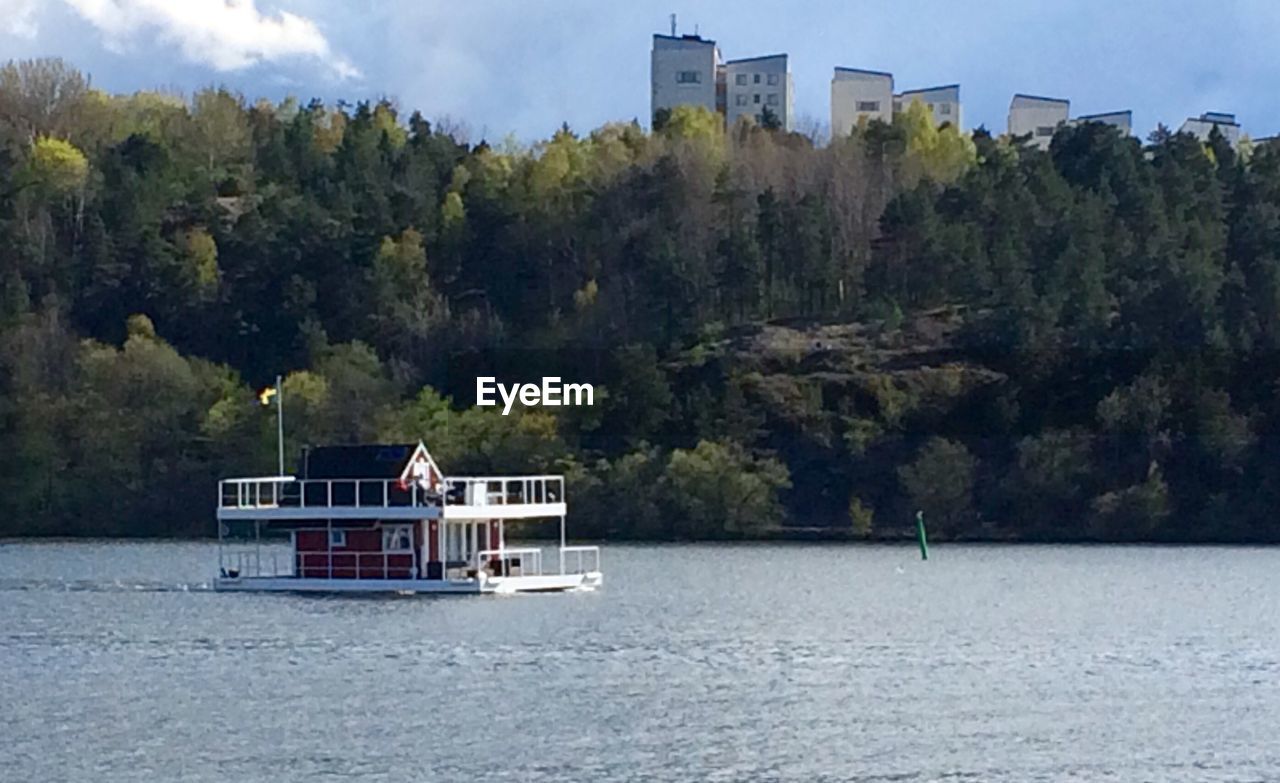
[462, 540]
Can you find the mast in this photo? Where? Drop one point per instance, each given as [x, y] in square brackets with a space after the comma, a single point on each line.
[280, 426]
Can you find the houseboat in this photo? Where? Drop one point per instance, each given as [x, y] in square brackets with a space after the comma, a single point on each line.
[384, 519]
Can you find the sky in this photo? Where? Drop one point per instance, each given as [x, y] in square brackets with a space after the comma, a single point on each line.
[497, 67]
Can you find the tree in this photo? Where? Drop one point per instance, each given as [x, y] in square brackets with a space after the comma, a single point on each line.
[769, 119]
[939, 482]
[632, 498]
[1049, 485]
[201, 252]
[219, 130]
[717, 490]
[695, 123]
[57, 167]
[861, 517]
[940, 154]
[1134, 513]
[408, 314]
[42, 97]
[1098, 323]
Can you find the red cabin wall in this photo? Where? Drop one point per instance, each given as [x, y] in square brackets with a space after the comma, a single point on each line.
[357, 560]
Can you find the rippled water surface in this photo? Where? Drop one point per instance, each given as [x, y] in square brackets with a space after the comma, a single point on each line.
[727, 663]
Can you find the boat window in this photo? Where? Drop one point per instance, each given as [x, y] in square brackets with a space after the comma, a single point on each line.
[337, 538]
[397, 539]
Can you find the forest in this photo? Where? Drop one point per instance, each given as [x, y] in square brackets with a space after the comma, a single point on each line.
[787, 337]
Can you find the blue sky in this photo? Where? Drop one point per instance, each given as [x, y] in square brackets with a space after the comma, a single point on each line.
[525, 66]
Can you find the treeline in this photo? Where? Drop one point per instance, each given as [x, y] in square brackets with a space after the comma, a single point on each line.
[1062, 345]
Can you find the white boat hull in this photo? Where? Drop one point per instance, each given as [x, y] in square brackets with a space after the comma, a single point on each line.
[547, 583]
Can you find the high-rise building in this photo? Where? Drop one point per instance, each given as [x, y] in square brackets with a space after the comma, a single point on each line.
[684, 70]
[1118, 119]
[859, 95]
[943, 102]
[759, 86]
[1037, 117]
[1202, 126]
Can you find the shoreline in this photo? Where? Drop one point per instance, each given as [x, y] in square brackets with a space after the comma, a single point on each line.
[782, 538]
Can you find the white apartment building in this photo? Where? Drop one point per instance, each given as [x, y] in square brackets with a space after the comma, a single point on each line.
[1117, 119]
[758, 83]
[684, 70]
[858, 95]
[1038, 117]
[1202, 126]
[943, 101]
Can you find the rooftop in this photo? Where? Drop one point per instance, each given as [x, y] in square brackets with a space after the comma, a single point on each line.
[1025, 96]
[1217, 118]
[685, 37]
[843, 69]
[939, 88]
[1127, 112]
[753, 59]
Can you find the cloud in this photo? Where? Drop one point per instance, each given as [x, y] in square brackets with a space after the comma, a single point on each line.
[226, 35]
[17, 17]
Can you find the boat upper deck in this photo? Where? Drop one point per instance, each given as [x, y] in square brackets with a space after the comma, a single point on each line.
[272, 498]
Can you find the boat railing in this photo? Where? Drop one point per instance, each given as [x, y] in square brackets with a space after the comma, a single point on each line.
[358, 565]
[275, 492]
[525, 561]
[504, 490]
[270, 493]
[253, 562]
[579, 559]
[257, 492]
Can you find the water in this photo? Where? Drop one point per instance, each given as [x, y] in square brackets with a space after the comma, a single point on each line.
[721, 663]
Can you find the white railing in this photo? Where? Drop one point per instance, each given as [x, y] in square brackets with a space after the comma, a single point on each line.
[276, 492]
[253, 563]
[264, 492]
[530, 561]
[288, 492]
[237, 563]
[354, 565]
[583, 556]
[503, 490]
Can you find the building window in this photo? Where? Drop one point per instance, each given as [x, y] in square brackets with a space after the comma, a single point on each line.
[930, 107]
[397, 539]
[868, 105]
[337, 538]
[1044, 130]
[772, 99]
[755, 98]
[757, 78]
[773, 79]
[945, 108]
[897, 107]
[688, 77]
[740, 79]
[742, 99]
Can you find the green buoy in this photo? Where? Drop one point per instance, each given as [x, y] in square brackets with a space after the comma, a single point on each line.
[924, 540]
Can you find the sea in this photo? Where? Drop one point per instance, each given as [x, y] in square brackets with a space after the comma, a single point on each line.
[696, 662]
